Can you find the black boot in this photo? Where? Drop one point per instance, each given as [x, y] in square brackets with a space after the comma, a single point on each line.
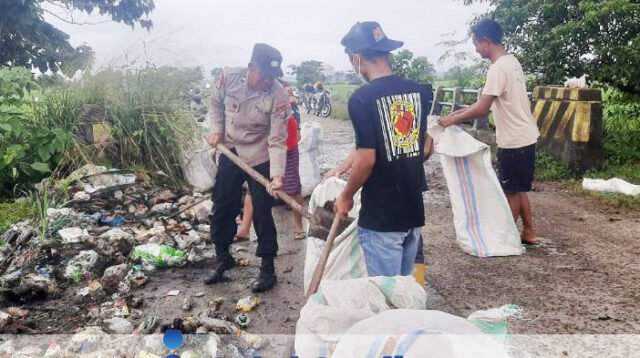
[267, 278]
[225, 262]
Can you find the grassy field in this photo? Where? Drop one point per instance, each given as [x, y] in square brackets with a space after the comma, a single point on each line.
[340, 95]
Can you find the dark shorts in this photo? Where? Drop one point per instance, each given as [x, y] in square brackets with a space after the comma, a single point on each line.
[291, 181]
[515, 168]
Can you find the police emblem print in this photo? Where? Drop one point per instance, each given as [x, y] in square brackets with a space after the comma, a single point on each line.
[400, 120]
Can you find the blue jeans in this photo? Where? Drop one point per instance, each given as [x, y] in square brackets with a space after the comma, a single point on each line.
[389, 253]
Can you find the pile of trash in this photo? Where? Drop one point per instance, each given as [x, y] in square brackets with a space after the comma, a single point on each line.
[94, 342]
[209, 333]
[101, 243]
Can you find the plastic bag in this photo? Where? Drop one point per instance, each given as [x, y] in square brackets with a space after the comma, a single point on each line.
[200, 167]
[614, 185]
[159, 255]
[346, 259]
[247, 304]
[483, 221]
[309, 147]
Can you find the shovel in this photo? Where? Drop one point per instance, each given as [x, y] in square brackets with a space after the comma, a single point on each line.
[323, 223]
[322, 218]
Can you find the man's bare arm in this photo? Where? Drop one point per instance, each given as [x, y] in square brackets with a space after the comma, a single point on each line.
[477, 110]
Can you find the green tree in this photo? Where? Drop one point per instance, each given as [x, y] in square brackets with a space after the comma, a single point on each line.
[310, 71]
[566, 38]
[468, 68]
[422, 71]
[401, 63]
[417, 69]
[26, 39]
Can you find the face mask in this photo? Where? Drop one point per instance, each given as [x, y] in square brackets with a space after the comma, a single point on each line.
[360, 75]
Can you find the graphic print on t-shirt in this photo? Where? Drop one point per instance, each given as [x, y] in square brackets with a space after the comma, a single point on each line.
[400, 117]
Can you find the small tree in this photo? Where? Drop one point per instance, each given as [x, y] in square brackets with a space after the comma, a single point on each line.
[417, 69]
[422, 71]
[468, 69]
[401, 63]
[310, 71]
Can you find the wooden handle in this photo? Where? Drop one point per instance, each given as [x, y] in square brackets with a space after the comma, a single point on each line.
[322, 262]
[264, 181]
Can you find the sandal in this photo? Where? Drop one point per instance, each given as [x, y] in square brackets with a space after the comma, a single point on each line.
[532, 242]
[299, 235]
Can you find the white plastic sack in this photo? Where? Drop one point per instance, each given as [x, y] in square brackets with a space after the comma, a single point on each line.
[95, 177]
[483, 220]
[412, 333]
[614, 185]
[339, 304]
[200, 167]
[309, 147]
[346, 259]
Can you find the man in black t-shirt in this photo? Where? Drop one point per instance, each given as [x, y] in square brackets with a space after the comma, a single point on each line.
[389, 117]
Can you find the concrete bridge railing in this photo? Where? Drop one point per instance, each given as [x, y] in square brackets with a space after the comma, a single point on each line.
[569, 119]
[457, 101]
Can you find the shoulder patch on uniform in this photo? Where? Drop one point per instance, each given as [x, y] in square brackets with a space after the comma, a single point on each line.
[280, 107]
[221, 81]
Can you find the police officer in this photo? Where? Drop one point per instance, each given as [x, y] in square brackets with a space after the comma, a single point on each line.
[248, 114]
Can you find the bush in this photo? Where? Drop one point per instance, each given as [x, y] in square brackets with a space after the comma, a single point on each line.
[150, 123]
[151, 120]
[549, 169]
[621, 126]
[29, 149]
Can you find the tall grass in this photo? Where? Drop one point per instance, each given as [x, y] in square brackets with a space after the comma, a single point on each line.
[150, 122]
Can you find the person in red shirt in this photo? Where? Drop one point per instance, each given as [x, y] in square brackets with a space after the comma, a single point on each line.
[291, 181]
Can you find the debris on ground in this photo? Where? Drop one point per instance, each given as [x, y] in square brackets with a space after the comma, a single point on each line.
[247, 304]
[243, 320]
[16, 312]
[99, 241]
[187, 304]
[113, 276]
[159, 256]
[118, 325]
[216, 303]
[613, 185]
[5, 319]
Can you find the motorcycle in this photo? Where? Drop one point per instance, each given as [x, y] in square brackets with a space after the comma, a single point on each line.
[320, 104]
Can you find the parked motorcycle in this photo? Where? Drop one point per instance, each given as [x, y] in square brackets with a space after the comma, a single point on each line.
[319, 104]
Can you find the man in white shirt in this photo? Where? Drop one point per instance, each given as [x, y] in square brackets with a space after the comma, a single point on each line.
[505, 94]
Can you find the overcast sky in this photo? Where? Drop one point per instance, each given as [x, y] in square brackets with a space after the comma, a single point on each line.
[216, 33]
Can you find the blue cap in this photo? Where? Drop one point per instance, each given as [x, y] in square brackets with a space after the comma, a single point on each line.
[368, 35]
[268, 59]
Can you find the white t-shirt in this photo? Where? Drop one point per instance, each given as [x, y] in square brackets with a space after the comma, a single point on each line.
[515, 125]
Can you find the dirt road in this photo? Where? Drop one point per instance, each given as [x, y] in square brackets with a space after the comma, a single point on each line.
[584, 278]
